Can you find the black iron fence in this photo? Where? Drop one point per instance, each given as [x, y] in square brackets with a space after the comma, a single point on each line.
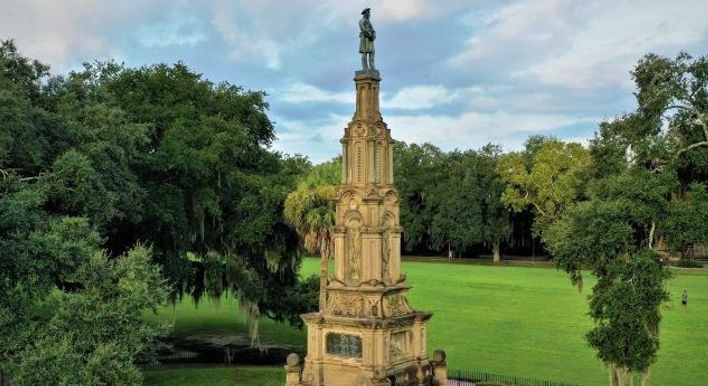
[4, 379]
[469, 378]
[457, 378]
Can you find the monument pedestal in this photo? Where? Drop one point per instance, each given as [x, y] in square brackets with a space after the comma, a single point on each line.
[366, 336]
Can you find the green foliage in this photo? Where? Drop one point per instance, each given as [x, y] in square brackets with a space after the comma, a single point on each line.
[687, 220]
[465, 200]
[548, 176]
[415, 167]
[449, 199]
[107, 158]
[94, 335]
[642, 166]
[310, 210]
[625, 305]
[246, 376]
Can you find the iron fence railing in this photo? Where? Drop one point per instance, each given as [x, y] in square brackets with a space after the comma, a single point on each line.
[468, 378]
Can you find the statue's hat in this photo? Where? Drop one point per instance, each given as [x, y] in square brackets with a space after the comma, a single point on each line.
[366, 10]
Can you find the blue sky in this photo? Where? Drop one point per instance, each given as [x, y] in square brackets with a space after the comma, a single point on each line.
[458, 74]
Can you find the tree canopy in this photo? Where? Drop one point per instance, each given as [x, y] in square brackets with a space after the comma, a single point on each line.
[154, 156]
[647, 180]
[465, 201]
[310, 210]
[548, 176]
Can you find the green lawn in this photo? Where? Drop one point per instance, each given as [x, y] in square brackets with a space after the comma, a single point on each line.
[242, 376]
[521, 321]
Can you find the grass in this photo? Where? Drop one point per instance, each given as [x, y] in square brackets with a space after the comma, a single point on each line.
[520, 321]
[222, 318]
[242, 376]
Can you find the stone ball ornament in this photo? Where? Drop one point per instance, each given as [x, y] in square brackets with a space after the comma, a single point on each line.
[293, 360]
[439, 355]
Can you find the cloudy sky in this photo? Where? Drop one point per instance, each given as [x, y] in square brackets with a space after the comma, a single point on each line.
[458, 74]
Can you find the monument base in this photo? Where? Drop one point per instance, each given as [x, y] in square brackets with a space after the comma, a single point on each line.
[348, 351]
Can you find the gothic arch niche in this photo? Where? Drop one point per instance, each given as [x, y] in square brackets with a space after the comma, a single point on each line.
[350, 200]
[388, 224]
[353, 245]
[391, 205]
[381, 168]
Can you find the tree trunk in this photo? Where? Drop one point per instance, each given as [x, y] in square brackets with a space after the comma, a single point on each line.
[619, 376]
[496, 252]
[449, 251]
[613, 375]
[651, 234]
[646, 377]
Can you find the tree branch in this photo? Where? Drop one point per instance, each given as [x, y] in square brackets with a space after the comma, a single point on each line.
[538, 208]
[693, 145]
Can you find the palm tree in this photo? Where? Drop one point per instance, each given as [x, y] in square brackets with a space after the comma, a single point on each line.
[310, 210]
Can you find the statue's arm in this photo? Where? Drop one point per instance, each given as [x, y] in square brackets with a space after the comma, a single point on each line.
[371, 34]
[367, 29]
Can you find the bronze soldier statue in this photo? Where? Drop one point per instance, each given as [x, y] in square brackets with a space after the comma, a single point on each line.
[367, 35]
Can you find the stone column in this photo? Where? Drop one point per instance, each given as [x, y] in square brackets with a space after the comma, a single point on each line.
[440, 368]
[293, 370]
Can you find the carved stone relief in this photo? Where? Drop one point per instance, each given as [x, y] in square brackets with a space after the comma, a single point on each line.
[345, 305]
[386, 247]
[395, 305]
[352, 239]
[399, 344]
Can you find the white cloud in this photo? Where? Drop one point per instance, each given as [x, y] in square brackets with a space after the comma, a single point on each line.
[178, 30]
[580, 45]
[246, 44]
[420, 97]
[470, 130]
[519, 31]
[317, 139]
[62, 33]
[267, 29]
[304, 93]
[603, 53]
[474, 129]
[408, 98]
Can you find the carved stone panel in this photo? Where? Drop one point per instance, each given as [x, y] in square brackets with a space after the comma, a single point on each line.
[395, 305]
[344, 345]
[399, 344]
[345, 305]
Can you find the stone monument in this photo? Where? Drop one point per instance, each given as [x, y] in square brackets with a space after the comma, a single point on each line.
[367, 334]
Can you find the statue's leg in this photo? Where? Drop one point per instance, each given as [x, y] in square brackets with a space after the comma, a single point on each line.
[371, 61]
[364, 62]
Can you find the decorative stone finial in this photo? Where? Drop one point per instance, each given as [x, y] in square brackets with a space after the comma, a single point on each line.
[439, 355]
[293, 360]
[293, 370]
[440, 367]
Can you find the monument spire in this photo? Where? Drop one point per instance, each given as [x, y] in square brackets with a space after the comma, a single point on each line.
[367, 334]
